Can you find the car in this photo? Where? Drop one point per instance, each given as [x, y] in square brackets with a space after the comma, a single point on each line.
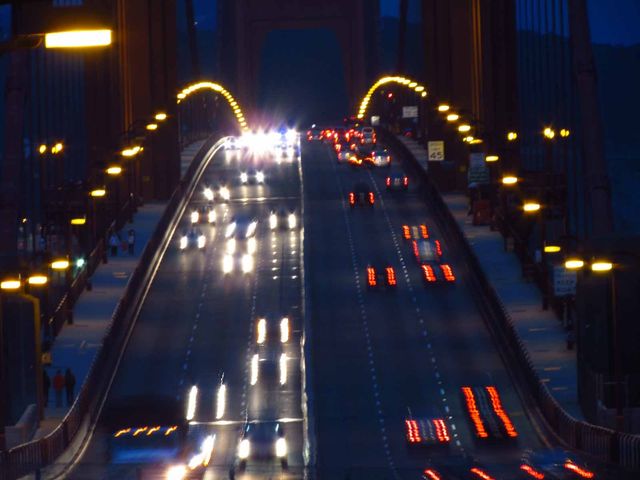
[224, 192]
[192, 238]
[379, 158]
[415, 232]
[380, 274]
[232, 143]
[487, 416]
[397, 181]
[252, 176]
[204, 214]
[553, 464]
[427, 251]
[437, 273]
[421, 432]
[262, 441]
[361, 194]
[344, 154]
[314, 134]
[241, 227]
[367, 135]
[270, 362]
[284, 219]
[267, 329]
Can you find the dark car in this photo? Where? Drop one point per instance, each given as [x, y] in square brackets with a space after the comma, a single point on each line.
[362, 194]
[262, 441]
[381, 274]
[397, 181]
[554, 464]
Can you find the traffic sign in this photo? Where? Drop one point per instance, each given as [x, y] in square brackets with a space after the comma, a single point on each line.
[564, 281]
[436, 151]
[375, 120]
[478, 172]
[410, 111]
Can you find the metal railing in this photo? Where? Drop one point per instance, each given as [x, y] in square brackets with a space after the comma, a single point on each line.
[30, 457]
[602, 443]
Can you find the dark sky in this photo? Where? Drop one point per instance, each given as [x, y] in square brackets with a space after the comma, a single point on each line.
[614, 22]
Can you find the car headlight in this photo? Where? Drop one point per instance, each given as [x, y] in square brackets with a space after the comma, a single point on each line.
[211, 216]
[227, 263]
[201, 241]
[252, 246]
[244, 449]
[231, 228]
[195, 217]
[208, 194]
[244, 177]
[247, 263]
[231, 246]
[292, 220]
[283, 369]
[251, 229]
[176, 472]
[260, 177]
[184, 241]
[225, 193]
[273, 221]
[281, 448]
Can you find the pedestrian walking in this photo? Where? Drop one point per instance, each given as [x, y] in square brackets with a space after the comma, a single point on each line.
[131, 240]
[114, 242]
[46, 386]
[69, 385]
[58, 386]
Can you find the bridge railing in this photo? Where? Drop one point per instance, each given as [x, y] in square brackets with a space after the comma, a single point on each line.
[35, 455]
[602, 443]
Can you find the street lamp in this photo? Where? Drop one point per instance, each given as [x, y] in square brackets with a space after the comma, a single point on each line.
[37, 280]
[601, 266]
[491, 158]
[552, 249]
[78, 221]
[131, 151]
[161, 116]
[78, 39]
[11, 284]
[444, 107]
[453, 117]
[574, 264]
[114, 170]
[464, 128]
[152, 126]
[98, 192]
[42, 149]
[60, 264]
[512, 136]
[509, 180]
[531, 207]
[549, 133]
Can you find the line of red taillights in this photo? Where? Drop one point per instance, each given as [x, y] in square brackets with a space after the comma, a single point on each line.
[532, 472]
[447, 271]
[569, 465]
[481, 474]
[499, 411]
[372, 198]
[413, 432]
[431, 474]
[428, 273]
[441, 430]
[371, 277]
[474, 413]
[391, 276]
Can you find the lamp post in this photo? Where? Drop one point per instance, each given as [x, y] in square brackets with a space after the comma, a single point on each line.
[533, 207]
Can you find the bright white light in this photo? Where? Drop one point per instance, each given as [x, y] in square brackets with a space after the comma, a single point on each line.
[203, 457]
[196, 461]
[176, 472]
[221, 401]
[201, 241]
[211, 216]
[254, 368]
[230, 230]
[227, 263]
[252, 246]
[244, 449]
[291, 136]
[225, 193]
[184, 241]
[283, 369]
[273, 221]
[244, 177]
[260, 176]
[251, 228]
[195, 216]
[292, 220]
[247, 263]
[281, 447]
[262, 331]
[231, 246]
[191, 403]
[208, 194]
[284, 330]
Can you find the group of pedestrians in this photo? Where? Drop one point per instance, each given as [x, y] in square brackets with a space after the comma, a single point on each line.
[60, 383]
[115, 241]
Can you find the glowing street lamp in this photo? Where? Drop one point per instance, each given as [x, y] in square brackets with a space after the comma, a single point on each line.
[57, 148]
[531, 207]
[60, 264]
[464, 128]
[564, 133]
[549, 133]
[453, 117]
[161, 116]
[37, 280]
[152, 126]
[601, 266]
[574, 264]
[491, 158]
[509, 180]
[443, 107]
[10, 284]
[78, 221]
[114, 170]
[98, 192]
[42, 149]
[552, 248]
[78, 39]
[512, 136]
[131, 151]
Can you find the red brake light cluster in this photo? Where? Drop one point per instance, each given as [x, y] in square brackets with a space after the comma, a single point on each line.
[371, 277]
[405, 181]
[481, 474]
[499, 411]
[473, 412]
[406, 232]
[429, 275]
[438, 248]
[391, 276]
[441, 430]
[415, 250]
[569, 465]
[430, 474]
[424, 232]
[352, 198]
[337, 146]
[532, 472]
[388, 181]
[372, 198]
[413, 432]
[447, 271]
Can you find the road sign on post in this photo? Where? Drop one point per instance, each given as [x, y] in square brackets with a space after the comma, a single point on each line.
[410, 111]
[375, 120]
[478, 172]
[564, 281]
[436, 151]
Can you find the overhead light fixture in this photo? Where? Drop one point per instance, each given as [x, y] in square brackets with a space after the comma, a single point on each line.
[78, 39]
[114, 170]
[98, 192]
[492, 158]
[161, 116]
[465, 127]
[78, 221]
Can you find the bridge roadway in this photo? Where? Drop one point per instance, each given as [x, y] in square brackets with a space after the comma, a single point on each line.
[197, 323]
[380, 354]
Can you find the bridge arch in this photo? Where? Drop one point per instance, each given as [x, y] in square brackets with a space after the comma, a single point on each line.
[398, 80]
[216, 87]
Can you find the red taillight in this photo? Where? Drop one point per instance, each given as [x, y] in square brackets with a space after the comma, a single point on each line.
[481, 474]
[424, 232]
[413, 432]
[431, 474]
[496, 404]
[569, 465]
[406, 232]
[391, 276]
[405, 181]
[372, 199]
[474, 413]
[371, 277]
[532, 472]
[352, 198]
[388, 181]
[415, 250]
[338, 147]
[447, 271]
[429, 275]
[438, 248]
[353, 146]
[441, 430]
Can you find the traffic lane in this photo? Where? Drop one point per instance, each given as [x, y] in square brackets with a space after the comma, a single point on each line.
[347, 431]
[459, 327]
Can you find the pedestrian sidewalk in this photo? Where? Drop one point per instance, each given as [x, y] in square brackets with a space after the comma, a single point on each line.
[77, 344]
[540, 330]
[417, 150]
